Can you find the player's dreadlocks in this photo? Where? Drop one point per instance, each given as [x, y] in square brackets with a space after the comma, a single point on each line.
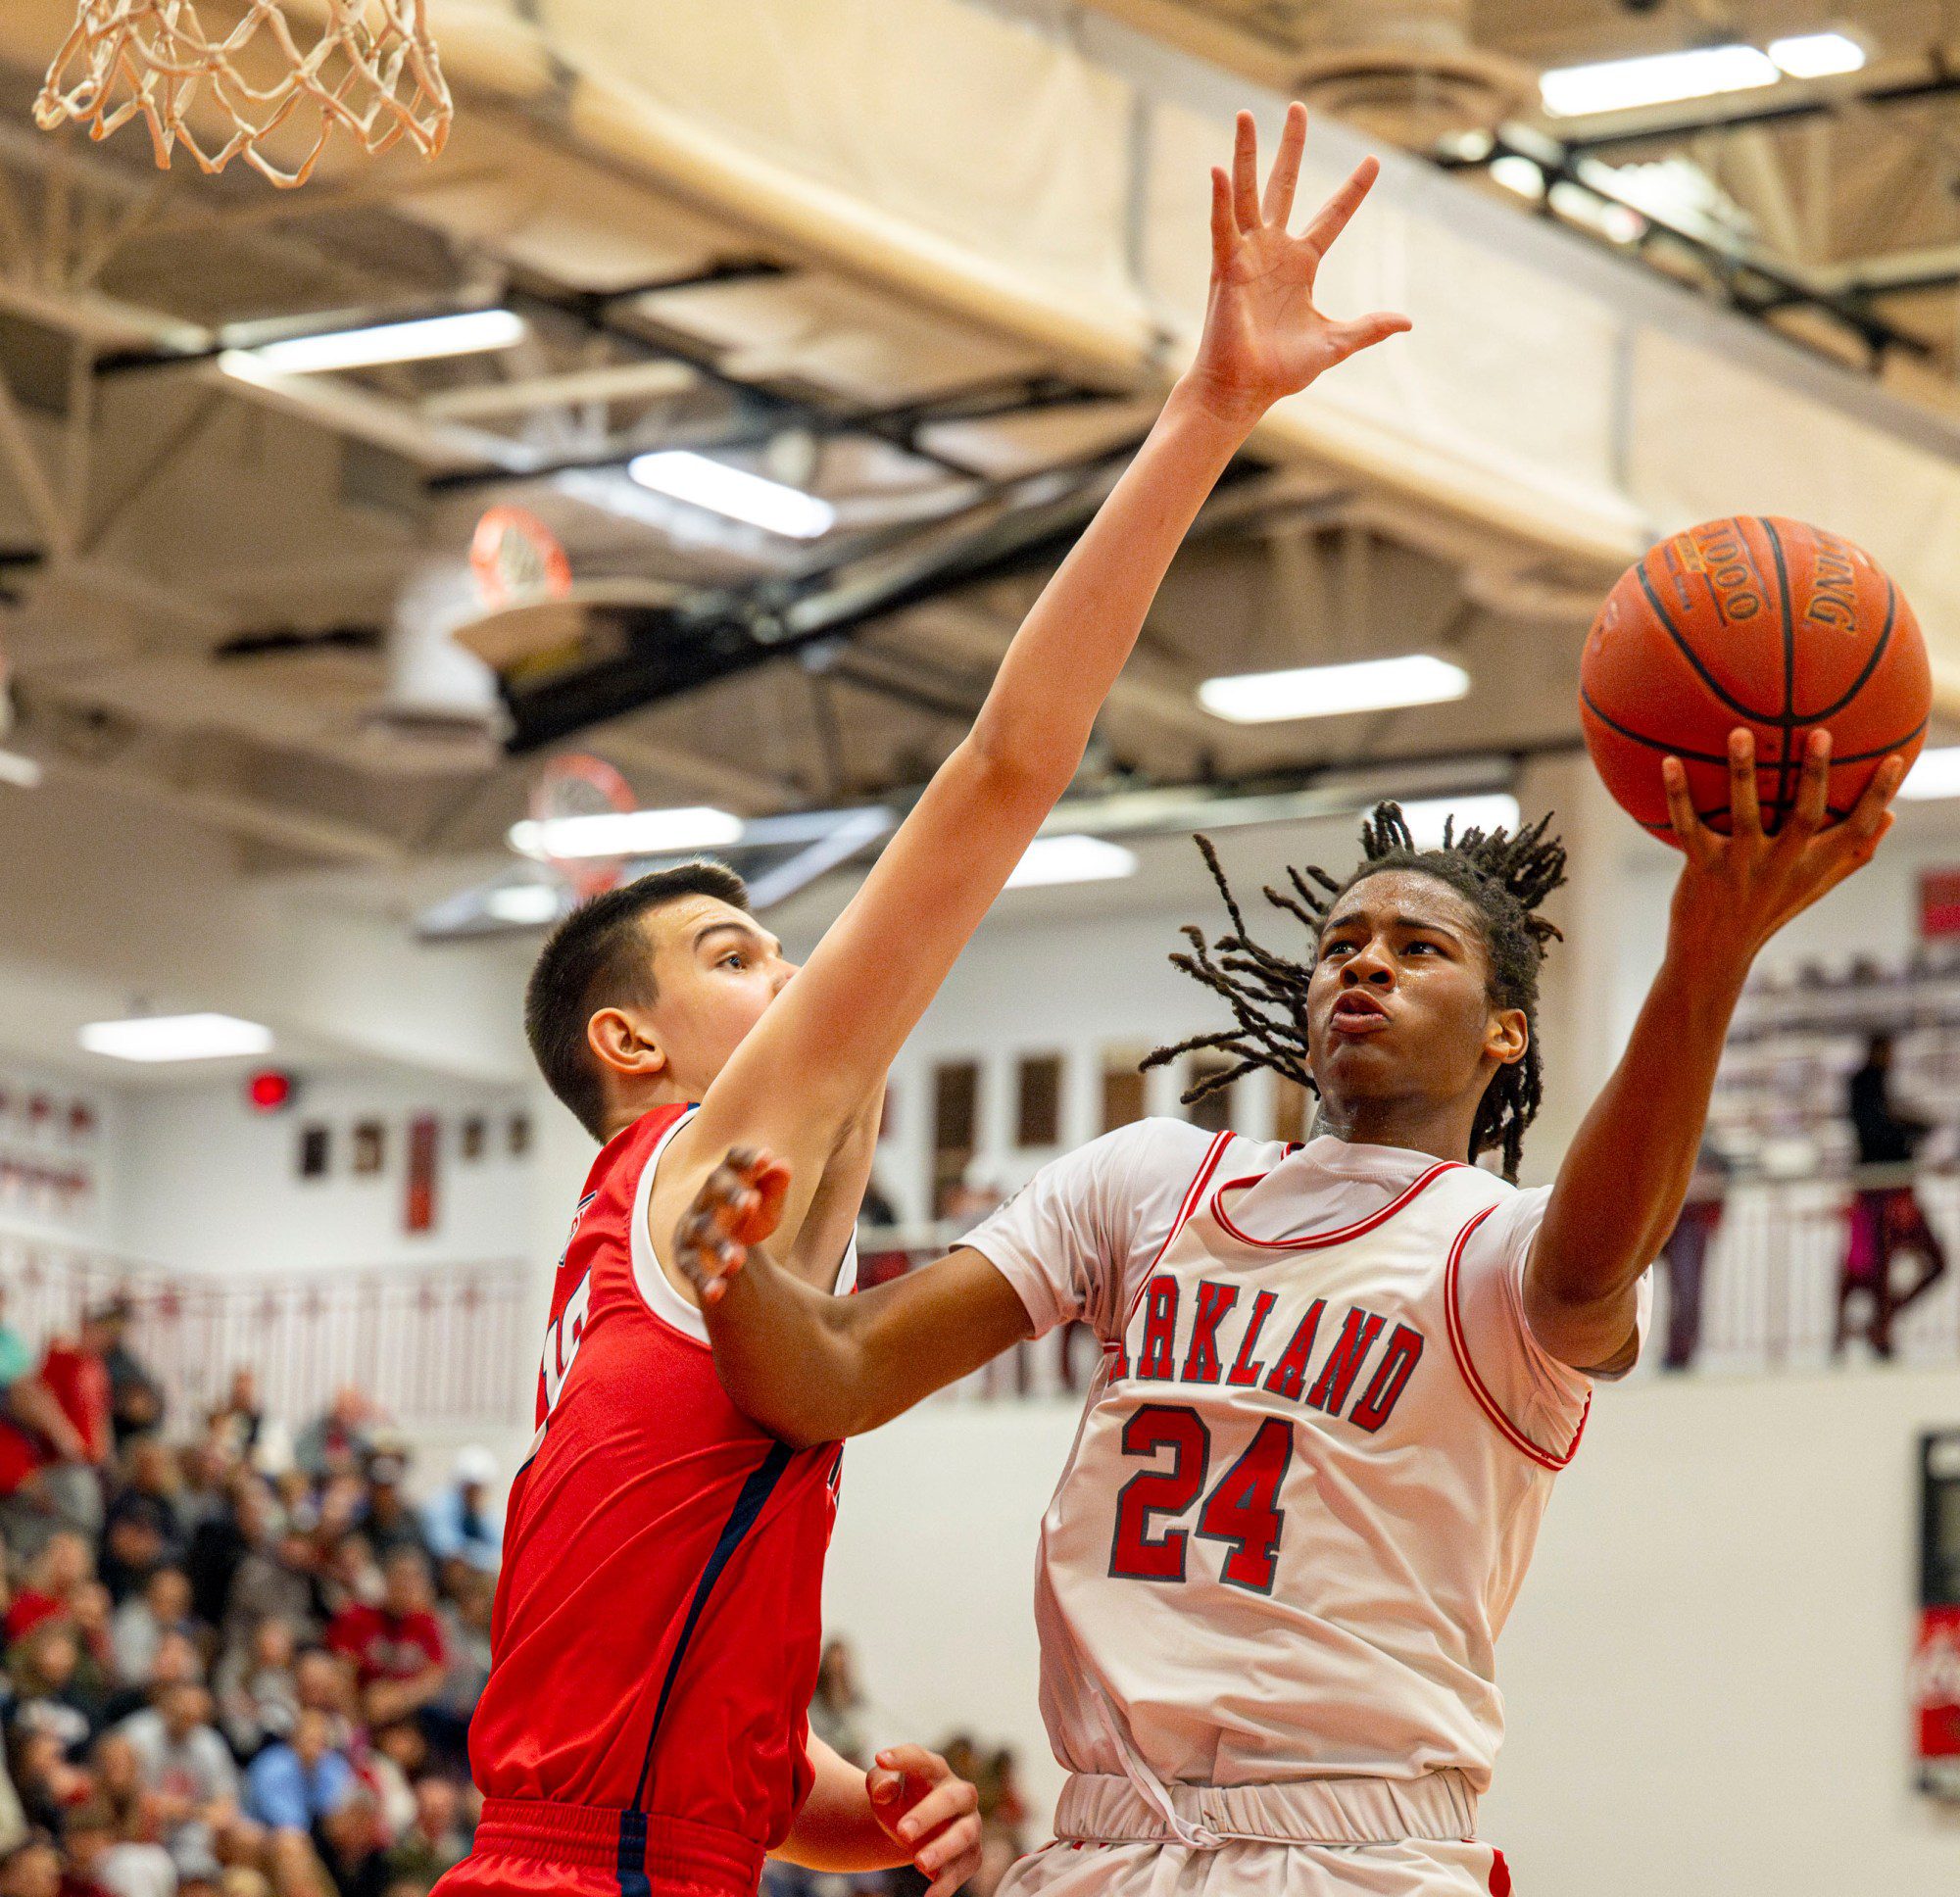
[1503, 875]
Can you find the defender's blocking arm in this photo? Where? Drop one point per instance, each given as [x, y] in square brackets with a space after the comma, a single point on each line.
[813, 1368]
[829, 1038]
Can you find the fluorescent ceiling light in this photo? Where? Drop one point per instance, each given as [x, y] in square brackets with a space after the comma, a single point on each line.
[1328, 691]
[1817, 56]
[624, 833]
[1518, 175]
[1488, 810]
[422, 339]
[1654, 79]
[1934, 774]
[176, 1036]
[682, 475]
[527, 903]
[1072, 860]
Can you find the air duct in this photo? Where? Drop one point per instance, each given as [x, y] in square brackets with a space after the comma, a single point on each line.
[1405, 70]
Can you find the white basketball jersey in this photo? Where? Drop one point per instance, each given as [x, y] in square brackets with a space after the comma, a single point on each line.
[1295, 1515]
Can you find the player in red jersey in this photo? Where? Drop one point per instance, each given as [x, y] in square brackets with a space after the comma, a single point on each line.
[657, 1627]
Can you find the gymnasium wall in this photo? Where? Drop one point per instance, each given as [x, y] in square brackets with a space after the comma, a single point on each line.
[208, 1185]
[1704, 1676]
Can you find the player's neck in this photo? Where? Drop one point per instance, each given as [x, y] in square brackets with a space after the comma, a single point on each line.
[631, 1102]
[1440, 1129]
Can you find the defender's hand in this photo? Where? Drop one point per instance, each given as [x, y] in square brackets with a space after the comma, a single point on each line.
[1736, 892]
[926, 1808]
[739, 1205]
[1263, 337]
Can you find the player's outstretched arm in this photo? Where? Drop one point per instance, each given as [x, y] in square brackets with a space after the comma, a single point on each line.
[829, 1038]
[910, 1808]
[1627, 1173]
[810, 1367]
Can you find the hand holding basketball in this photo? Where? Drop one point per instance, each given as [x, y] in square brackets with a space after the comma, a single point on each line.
[740, 1204]
[1736, 890]
[1263, 337]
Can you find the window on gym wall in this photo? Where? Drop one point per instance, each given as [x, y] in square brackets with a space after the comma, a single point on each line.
[1293, 1111]
[1215, 1111]
[1038, 1100]
[1122, 1087]
[955, 1121]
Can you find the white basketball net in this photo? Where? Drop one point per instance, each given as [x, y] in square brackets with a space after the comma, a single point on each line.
[372, 70]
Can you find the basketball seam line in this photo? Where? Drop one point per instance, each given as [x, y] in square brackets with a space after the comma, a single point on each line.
[1693, 657]
[1884, 639]
[1789, 721]
[1721, 757]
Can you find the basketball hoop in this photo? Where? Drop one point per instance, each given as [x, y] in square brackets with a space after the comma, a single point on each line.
[372, 70]
[575, 784]
[517, 559]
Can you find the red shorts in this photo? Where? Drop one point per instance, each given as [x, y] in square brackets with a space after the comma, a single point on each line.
[584, 1851]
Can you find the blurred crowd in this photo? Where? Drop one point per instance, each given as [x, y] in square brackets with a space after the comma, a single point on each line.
[238, 1662]
[841, 1715]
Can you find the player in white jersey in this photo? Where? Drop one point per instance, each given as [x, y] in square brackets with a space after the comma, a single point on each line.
[1337, 1379]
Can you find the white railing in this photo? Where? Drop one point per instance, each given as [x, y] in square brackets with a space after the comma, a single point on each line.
[1770, 1288]
[427, 1344]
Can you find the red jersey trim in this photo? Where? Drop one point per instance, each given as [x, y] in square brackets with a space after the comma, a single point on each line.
[1193, 1198]
[1460, 1348]
[1315, 1241]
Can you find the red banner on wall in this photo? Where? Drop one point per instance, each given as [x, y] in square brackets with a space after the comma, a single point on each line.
[419, 1212]
[1938, 903]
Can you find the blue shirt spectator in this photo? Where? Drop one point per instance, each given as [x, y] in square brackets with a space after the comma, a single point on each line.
[458, 1523]
[292, 1786]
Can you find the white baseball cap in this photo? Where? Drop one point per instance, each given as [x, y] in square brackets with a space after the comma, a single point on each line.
[476, 1466]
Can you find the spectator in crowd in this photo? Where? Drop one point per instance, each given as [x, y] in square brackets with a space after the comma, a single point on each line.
[65, 1566]
[143, 1527]
[458, 1525]
[162, 1606]
[275, 1579]
[41, 1669]
[464, 1614]
[337, 1442]
[187, 1770]
[329, 1760]
[48, 1784]
[101, 1860]
[1684, 1256]
[295, 1784]
[257, 1689]
[435, 1839]
[396, 1645]
[836, 1708]
[386, 1518]
[238, 1423]
[1887, 1219]
[135, 1398]
[33, 1868]
[351, 1846]
[220, 1543]
[49, 1452]
[13, 1819]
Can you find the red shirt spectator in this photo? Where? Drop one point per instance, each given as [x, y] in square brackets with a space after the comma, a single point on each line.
[78, 1381]
[388, 1646]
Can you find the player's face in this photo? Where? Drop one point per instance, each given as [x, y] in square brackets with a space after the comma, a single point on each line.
[1398, 1007]
[716, 970]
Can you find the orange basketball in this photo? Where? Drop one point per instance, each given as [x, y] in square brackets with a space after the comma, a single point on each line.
[1753, 622]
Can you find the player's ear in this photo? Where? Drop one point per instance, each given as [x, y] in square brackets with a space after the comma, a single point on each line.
[1508, 1036]
[625, 1045]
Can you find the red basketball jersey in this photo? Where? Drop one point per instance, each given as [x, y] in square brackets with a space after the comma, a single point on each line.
[657, 1618]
